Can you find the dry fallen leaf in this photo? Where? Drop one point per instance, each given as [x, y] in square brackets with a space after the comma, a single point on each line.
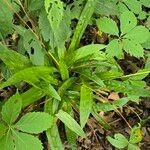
[113, 96]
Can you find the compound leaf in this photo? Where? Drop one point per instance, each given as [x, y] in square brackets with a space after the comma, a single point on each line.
[107, 7]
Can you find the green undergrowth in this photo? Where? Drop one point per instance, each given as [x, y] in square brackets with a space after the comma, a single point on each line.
[44, 58]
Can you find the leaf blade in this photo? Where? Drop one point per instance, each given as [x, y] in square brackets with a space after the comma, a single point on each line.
[107, 25]
[25, 141]
[82, 24]
[31, 75]
[70, 123]
[128, 22]
[34, 122]
[133, 48]
[13, 59]
[119, 142]
[140, 34]
[11, 109]
[86, 103]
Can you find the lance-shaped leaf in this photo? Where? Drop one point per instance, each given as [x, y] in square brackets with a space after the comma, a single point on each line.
[70, 123]
[83, 52]
[32, 75]
[86, 103]
[82, 24]
[63, 70]
[49, 90]
[55, 13]
[31, 96]
[13, 59]
[54, 138]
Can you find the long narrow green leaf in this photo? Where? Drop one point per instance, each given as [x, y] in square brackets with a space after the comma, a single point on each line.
[86, 103]
[70, 123]
[71, 136]
[63, 70]
[82, 24]
[61, 91]
[66, 85]
[31, 96]
[49, 90]
[13, 59]
[31, 75]
[142, 73]
[54, 138]
[101, 121]
[87, 50]
[83, 52]
[52, 133]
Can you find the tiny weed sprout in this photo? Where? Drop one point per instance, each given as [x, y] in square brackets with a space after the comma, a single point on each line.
[74, 74]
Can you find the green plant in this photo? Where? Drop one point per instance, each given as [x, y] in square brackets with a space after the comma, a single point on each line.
[120, 141]
[14, 132]
[48, 63]
[130, 38]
